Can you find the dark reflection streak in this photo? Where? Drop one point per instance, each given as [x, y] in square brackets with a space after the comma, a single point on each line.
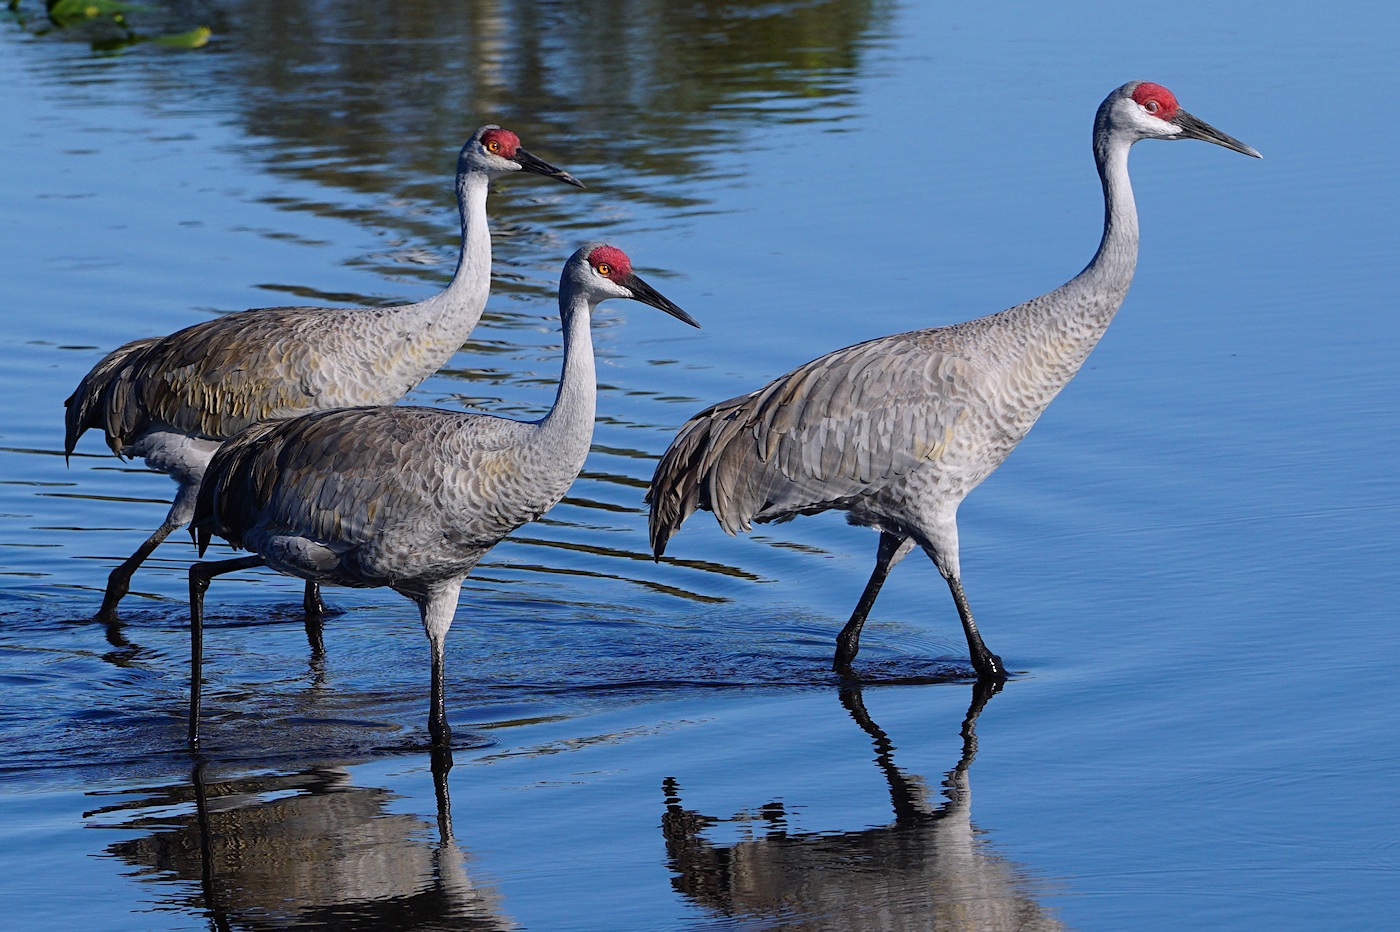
[633, 555]
[928, 869]
[35, 451]
[705, 566]
[598, 506]
[441, 763]
[88, 496]
[586, 574]
[315, 622]
[627, 452]
[213, 904]
[905, 794]
[613, 478]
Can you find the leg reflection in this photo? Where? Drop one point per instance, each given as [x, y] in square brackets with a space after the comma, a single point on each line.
[928, 868]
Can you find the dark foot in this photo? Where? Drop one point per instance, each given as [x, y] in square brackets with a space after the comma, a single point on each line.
[989, 667]
[118, 585]
[440, 733]
[842, 667]
[848, 641]
[107, 614]
[313, 606]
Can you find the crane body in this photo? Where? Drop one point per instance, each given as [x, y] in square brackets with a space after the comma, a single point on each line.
[898, 430]
[404, 497]
[172, 400]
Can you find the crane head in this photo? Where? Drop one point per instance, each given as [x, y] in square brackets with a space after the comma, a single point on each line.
[1144, 110]
[602, 271]
[497, 151]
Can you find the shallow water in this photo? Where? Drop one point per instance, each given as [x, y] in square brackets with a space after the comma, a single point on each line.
[1191, 560]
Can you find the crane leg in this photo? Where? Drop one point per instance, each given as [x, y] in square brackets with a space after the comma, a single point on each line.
[438, 729]
[200, 574]
[437, 609]
[311, 602]
[315, 611]
[893, 547]
[119, 581]
[987, 664]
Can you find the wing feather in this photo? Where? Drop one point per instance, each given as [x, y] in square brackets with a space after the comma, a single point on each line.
[347, 476]
[216, 377]
[831, 431]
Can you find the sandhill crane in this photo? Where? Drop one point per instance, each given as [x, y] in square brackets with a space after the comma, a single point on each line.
[172, 400]
[898, 430]
[406, 497]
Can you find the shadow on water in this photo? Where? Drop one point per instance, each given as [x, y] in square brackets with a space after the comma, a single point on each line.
[300, 850]
[928, 869]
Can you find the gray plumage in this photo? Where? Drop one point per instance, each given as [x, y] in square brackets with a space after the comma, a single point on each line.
[898, 430]
[171, 400]
[407, 497]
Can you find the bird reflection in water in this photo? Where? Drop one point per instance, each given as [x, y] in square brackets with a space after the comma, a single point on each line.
[928, 869]
[304, 850]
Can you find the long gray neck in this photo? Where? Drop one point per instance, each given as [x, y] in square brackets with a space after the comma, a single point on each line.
[471, 283]
[1111, 270]
[452, 314]
[1051, 336]
[568, 427]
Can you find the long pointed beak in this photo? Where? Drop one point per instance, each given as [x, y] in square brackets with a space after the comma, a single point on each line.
[530, 163]
[1195, 128]
[649, 295]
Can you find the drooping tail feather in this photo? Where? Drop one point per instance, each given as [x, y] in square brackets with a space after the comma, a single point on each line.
[686, 478]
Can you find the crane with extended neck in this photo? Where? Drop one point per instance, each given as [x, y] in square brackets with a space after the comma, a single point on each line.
[898, 430]
[172, 400]
[405, 497]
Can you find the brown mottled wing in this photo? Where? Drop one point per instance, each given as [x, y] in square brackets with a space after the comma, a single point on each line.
[830, 431]
[214, 378]
[343, 476]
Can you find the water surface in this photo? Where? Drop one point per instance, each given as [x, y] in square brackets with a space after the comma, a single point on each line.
[1192, 558]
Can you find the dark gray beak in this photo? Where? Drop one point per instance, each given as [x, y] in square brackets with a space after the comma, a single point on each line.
[649, 295]
[1193, 128]
[529, 163]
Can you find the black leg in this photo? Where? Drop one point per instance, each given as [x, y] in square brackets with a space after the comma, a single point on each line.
[987, 664]
[315, 611]
[438, 729]
[892, 549]
[437, 607]
[119, 581]
[200, 574]
[311, 601]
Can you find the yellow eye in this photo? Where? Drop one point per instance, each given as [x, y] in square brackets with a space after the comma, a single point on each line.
[494, 146]
[603, 269]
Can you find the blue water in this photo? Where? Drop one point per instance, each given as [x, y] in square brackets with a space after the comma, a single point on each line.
[1192, 558]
